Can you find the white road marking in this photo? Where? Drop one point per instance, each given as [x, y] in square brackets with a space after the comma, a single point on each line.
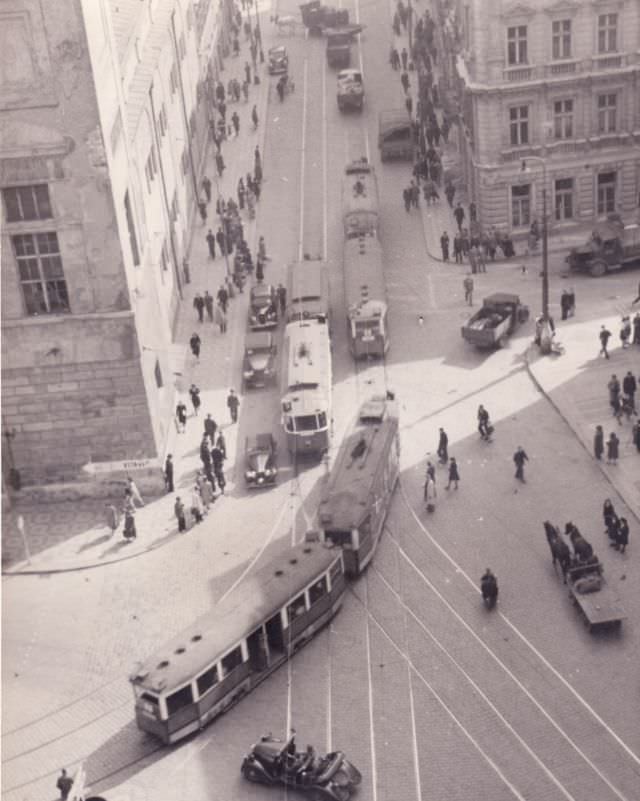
[325, 214]
[372, 735]
[303, 151]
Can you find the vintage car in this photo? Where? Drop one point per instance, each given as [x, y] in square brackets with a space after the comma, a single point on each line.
[350, 90]
[272, 761]
[259, 362]
[260, 468]
[278, 60]
[263, 307]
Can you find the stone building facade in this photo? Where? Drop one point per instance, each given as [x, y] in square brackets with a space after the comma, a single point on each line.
[104, 114]
[558, 80]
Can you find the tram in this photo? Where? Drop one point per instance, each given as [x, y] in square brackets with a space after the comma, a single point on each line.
[306, 387]
[308, 291]
[360, 203]
[366, 297]
[358, 492]
[201, 672]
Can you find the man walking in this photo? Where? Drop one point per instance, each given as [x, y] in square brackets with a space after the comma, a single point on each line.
[208, 304]
[194, 392]
[168, 473]
[181, 417]
[454, 476]
[64, 785]
[233, 403]
[254, 118]
[605, 335]
[223, 297]
[459, 214]
[134, 491]
[206, 186]
[443, 444]
[629, 387]
[194, 343]
[211, 243]
[520, 457]
[179, 512]
[444, 246]
[210, 427]
[235, 121]
[468, 289]
[450, 191]
[202, 208]
[198, 305]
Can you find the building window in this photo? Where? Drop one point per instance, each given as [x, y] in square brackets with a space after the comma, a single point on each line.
[193, 124]
[41, 277]
[116, 132]
[133, 240]
[563, 119]
[164, 256]
[157, 372]
[150, 168]
[564, 199]
[561, 39]
[607, 112]
[607, 33]
[24, 203]
[521, 205]
[162, 120]
[185, 161]
[519, 125]
[517, 45]
[182, 47]
[606, 193]
[173, 78]
[174, 207]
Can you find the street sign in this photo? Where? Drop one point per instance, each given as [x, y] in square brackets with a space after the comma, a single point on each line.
[127, 465]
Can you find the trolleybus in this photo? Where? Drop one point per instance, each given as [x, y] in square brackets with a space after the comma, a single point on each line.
[308, 291]
[357, 495]
[366, 297]
[306, 387]
[198, 674]
[360, 213]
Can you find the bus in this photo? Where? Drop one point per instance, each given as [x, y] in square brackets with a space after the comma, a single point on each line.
[201, 672]
[366, 297]
[360, 213]
[308, 291]
[356, 497]
[306, 387]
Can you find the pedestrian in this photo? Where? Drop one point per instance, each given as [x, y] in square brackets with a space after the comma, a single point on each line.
[202, 208]
[208, 304]
[604, 336]
[625, 331]
[206, 492]
[404, 57]
[520, 457]
[235, 121]
[468, 289]
[181, 417]
[254, 118]
[196, 505]
[629, 387]
[194, 392]
[614, 393]
[444, 246]
[262, 249]
[449, 191]
[64, 785]
[473, 261]
[484, 426]
[564, 304]
[635, 435]
[220, 165]
[282, 299]
[129, 512]
[233, 403]
[636, 329]
[210, 427]
[221, 445]
[406, 196]
[198, 305]
[206, 185]
[168, 473]
[220, 318]
[443, 444]
[613, 449]
[457, 248]
[482, 260]
[222, 482]
[217, 458]
[112, 518]
[454, 476]
[179, 512]
[195, 342]
[408, 102]
[223, 297]
[622, 538]
[211, 243]
[404, 80]
[459, 214]
[473, 213]
[395, 59]
[132, 487]
[430, 494]
[247, 72]
[430, 471]
[598, 443]
[220, 239]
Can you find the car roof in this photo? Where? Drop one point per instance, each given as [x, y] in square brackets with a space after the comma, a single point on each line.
[258, 339]
[261, 290]
[277, 50]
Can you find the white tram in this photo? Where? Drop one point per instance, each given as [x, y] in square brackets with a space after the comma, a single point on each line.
[360, 212]
[357, 495]
[306, 387]
[366, 297]
[308, 291]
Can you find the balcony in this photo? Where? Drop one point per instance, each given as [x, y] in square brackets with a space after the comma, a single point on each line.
[519, 74]
[523, 73]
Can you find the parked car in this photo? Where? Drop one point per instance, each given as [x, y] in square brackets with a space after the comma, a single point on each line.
[259, 362]
[278, 60]
[263, 307]
[261, 468]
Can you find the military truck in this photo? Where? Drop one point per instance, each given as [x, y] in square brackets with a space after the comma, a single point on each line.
[498, 317]
[350, 90]
[339, 49]
[611, 245]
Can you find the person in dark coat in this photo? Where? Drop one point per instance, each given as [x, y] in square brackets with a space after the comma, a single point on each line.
[206, 185]
[205, 453]
[179, 512]
[211, 243]
[613, 449]
[168, 473]
[202, 208]
[129, 512]
[233, 404]
[444, 245]
[520, 457]
[210, 427]
[454, 476]
[443, 444]
[608, 513]
[181, 417]
[195, 342]
[198, 305]
[208, 304]
[194, 392]
[220, 165]
[629, 387]
[254, 117]
[223, 298]
[217, 458]
[622, 539]
[64, 785]
[459, 214]
[221, 445]
[598, 443]
[604, 336]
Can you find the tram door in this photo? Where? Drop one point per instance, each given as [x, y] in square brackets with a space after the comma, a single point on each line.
[275, 633]
[258, 655]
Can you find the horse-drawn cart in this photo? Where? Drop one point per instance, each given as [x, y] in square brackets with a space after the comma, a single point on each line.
[597, 600]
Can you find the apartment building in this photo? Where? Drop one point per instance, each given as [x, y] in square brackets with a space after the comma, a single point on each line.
[558, 80]
[104, 113]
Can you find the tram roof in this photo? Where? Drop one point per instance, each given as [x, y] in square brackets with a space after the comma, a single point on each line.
[350, 490]
[359, 189]
[308, 357]
[252, 602]
[363, 267]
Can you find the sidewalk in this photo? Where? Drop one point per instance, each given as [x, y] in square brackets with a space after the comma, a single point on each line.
[73, 535]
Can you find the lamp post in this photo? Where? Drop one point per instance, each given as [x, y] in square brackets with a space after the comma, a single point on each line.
[545, 329]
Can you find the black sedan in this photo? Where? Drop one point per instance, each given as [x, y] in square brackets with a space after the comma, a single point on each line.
[259, 362]
[278, 60]
[261, 469]
[263, 307]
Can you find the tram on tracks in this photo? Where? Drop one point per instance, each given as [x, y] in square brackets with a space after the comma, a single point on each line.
[308, 291]
[356, 498]
[306, 387]
[366, 297]
[201, 672]
[360, 201]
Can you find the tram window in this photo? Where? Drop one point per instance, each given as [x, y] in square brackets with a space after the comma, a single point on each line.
[322, 420]
[296, 608]
[335, 571]
[176, 701]
[367, 326]
[306, 422]
[231, 661]
[339, 537]
[318, 590]
[288, 424]
[207, 679]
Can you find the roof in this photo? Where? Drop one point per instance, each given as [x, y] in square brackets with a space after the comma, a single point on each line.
[502, 297]
[363, 271]
[252, 602]
[350, 490]
[360, 198]
[262, 291]
[393, 118]
[258, 340]
[307, 281]
[308, 356]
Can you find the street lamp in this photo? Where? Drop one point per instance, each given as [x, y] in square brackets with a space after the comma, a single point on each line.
[545, 329]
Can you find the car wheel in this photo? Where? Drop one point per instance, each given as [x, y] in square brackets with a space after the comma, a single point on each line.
[252, 774]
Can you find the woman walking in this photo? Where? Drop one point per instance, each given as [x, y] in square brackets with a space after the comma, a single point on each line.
[454, 476]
